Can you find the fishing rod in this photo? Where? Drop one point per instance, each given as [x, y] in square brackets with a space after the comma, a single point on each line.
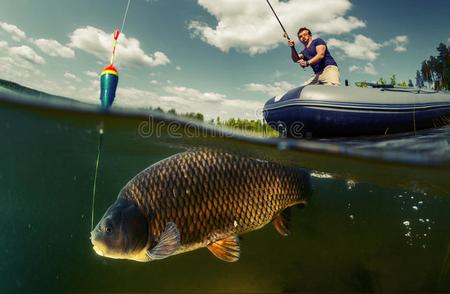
[294, 52]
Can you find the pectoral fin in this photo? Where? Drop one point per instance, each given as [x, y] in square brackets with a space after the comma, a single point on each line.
[168, 243]
[226, 249]
[282, 222]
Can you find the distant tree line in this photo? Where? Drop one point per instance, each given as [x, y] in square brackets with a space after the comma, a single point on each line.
[191, 115]
[381, 81]
[435, 71]
[252, 126]
[257, 126]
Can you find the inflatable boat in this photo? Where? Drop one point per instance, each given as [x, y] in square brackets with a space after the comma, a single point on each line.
[327, 111]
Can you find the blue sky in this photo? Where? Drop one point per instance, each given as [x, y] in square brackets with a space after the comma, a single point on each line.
[220, 57]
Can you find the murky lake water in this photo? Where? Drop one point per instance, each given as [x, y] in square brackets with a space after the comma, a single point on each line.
[378, 219]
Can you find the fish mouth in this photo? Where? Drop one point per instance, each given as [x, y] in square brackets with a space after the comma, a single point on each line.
[98, 251]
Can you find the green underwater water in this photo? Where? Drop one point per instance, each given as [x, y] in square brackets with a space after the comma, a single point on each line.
[374, 226]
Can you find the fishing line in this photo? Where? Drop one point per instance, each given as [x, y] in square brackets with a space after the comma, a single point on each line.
[100, 138]
[118, 32]
[99, 149]
[125, 16]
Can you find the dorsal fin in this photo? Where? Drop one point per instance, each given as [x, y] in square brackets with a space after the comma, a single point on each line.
[226, 249]
[282, 222]
[168, 243]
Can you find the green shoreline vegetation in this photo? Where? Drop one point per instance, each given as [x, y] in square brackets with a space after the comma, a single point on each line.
[435, 71]
[248, 126]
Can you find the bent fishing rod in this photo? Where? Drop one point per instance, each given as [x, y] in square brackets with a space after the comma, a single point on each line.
[294, 52]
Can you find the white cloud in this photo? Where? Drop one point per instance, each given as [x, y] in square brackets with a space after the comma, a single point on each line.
[72, 77]
[16, 33]
[185, 100]
[354, 68]
[129, 51]
[194, 95]
[91, 74]
[54, 48]
[182, 99]
[210, 104]
[178, 68]
[399, 43]
[269, 89]
[18, 70]
[87, 92]
[362, 47]
[135, 98]
[249, 26]
[245, 107]
[369, 68]
[20, 63]
[26, 53]
[340, 25]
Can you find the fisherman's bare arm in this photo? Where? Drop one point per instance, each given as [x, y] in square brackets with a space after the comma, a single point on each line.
[294, 55]
[320, 49]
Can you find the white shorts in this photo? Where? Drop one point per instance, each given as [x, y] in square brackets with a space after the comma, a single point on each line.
[329, 76]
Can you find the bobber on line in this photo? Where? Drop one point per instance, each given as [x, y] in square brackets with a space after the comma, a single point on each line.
[108, 85]
[109, 78]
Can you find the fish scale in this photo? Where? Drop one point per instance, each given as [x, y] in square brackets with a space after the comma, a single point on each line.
[214, 192]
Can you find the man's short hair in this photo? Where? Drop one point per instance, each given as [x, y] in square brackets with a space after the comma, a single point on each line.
[303, 29]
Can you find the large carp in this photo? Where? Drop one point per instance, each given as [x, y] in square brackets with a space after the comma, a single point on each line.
[196, 199]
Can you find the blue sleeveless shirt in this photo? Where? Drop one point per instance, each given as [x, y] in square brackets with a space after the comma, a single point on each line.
[310, 52]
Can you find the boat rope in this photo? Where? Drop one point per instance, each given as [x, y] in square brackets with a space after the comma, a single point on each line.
[99, 149]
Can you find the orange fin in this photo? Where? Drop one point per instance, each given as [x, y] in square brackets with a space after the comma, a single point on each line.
[226, 249]
[282, 222]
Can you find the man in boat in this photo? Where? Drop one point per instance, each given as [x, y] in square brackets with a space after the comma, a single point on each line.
[316, 55]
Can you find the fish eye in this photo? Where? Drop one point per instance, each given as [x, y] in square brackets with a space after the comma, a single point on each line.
[108, 229]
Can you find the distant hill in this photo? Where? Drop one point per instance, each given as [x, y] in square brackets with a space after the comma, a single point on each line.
[32, 92]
